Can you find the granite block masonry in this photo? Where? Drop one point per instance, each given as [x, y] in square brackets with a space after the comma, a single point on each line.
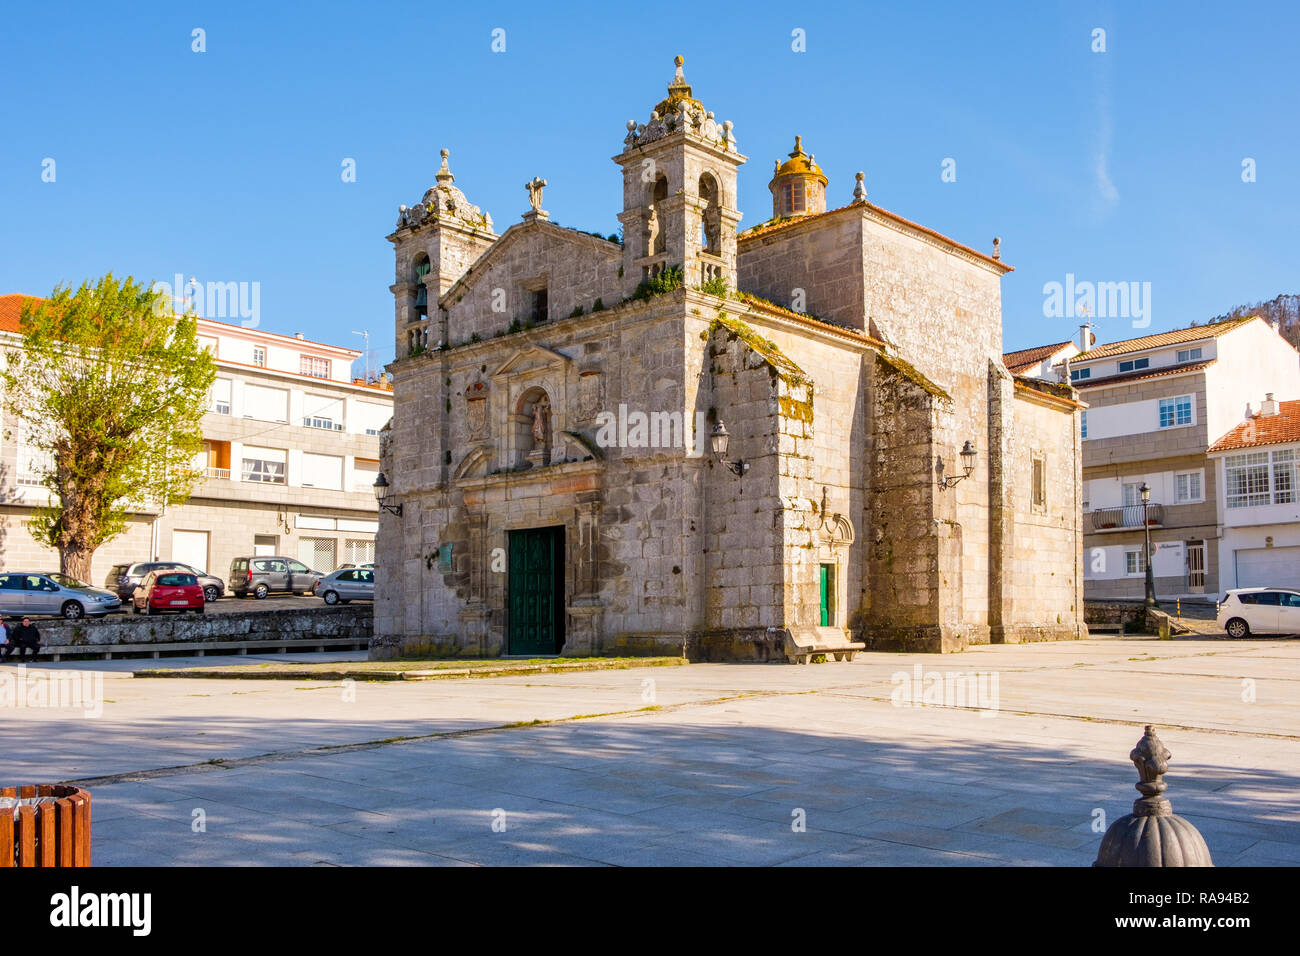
[848, 354]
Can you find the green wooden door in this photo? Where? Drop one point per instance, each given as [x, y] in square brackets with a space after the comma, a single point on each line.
[827, 595]
[536, 588]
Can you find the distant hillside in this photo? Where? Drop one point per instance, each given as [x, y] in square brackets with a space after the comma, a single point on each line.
[1285, 310]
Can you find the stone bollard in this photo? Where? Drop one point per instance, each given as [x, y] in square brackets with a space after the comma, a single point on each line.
[1152, 835]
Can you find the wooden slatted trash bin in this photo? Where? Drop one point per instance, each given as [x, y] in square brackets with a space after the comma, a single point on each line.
[44, 825]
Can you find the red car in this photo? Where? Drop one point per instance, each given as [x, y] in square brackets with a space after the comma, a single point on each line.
[167, 591]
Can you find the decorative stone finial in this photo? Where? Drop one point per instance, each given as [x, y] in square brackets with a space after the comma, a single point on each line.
[997, 248]
[1152, 835]
[679, 61]
[860, 189]
[798, 145]
[444, 174]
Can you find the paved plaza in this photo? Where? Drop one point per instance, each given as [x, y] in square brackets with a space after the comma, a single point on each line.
[706, 764]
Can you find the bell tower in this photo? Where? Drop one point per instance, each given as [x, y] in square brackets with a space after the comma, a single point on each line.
[679, 192]
[435, 241]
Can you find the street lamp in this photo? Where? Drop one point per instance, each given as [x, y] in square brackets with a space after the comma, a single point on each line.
[381, 495]
[719, 439]
[968, 455]
[1145, 492]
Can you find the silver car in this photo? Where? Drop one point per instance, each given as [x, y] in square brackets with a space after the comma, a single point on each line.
[346, 584]
[32, 593]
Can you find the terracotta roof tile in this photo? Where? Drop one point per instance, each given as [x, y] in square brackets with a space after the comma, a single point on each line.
[1264, 429]
[11, 309]
[1160, 339]
[1025, 359]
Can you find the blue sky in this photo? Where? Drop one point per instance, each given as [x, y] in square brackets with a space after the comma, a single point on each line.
[225, 165]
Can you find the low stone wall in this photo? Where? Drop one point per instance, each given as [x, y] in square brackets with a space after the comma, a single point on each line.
[352, 621]
[1125, 617]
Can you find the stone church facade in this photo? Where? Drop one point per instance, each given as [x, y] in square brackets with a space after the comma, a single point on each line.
[558, 397]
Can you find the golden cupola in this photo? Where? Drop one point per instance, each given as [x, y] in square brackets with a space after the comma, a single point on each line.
[798, 185]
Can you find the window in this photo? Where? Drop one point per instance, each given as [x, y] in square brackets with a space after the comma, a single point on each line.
[370, 417]
[259, 357]
[1284, 477]
[266, 404]
[1132, 493]
[1175, 411]
[221, 396]
[1080, 373]
[539, 305]
[264, 465]
[792, 197]
[313, 366]
[1261, 478]
[1189, 355]
[318, 553]
[1040, 483]
[33, 463]
[1187, 487]
[1133, 365]
[319, 411]
[1083, 424]
[322, 471]
[359, 551]
[1247, 479]
[1134, 563]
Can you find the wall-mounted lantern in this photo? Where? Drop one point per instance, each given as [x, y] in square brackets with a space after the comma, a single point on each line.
[719, 439]
[381, 495]
[968, 455]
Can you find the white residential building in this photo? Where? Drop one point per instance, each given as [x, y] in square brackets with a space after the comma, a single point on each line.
[1257, 465]
[291, 451]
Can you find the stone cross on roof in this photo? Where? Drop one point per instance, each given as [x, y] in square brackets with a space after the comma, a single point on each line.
[535, 192]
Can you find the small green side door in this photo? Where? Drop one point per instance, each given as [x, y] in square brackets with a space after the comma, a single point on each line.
[827, 595]
[536, 591]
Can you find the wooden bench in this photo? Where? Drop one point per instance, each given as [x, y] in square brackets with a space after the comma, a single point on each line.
[803, 643]
[200, 648]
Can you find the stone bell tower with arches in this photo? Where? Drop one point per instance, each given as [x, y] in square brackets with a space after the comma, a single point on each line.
[679, 192]
[434, 242]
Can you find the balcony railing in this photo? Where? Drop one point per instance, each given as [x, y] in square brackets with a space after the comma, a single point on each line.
[1129, 516]
[219, 473]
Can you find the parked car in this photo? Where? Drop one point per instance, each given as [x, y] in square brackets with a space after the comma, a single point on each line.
[168, 590]
[123, 578]
[346, 584]
[260, 576]
[28, 592]
[1246, 611]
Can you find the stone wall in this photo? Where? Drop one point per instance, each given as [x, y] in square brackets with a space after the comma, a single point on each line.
[352, 621]
[1037, 554]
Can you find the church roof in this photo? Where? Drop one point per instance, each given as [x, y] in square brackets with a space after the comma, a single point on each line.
[768, 228]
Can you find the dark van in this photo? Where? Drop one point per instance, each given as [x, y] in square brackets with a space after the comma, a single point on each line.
[267, 574]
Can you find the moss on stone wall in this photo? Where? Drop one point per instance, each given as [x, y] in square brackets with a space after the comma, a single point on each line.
[907, 370]
[778, 361]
